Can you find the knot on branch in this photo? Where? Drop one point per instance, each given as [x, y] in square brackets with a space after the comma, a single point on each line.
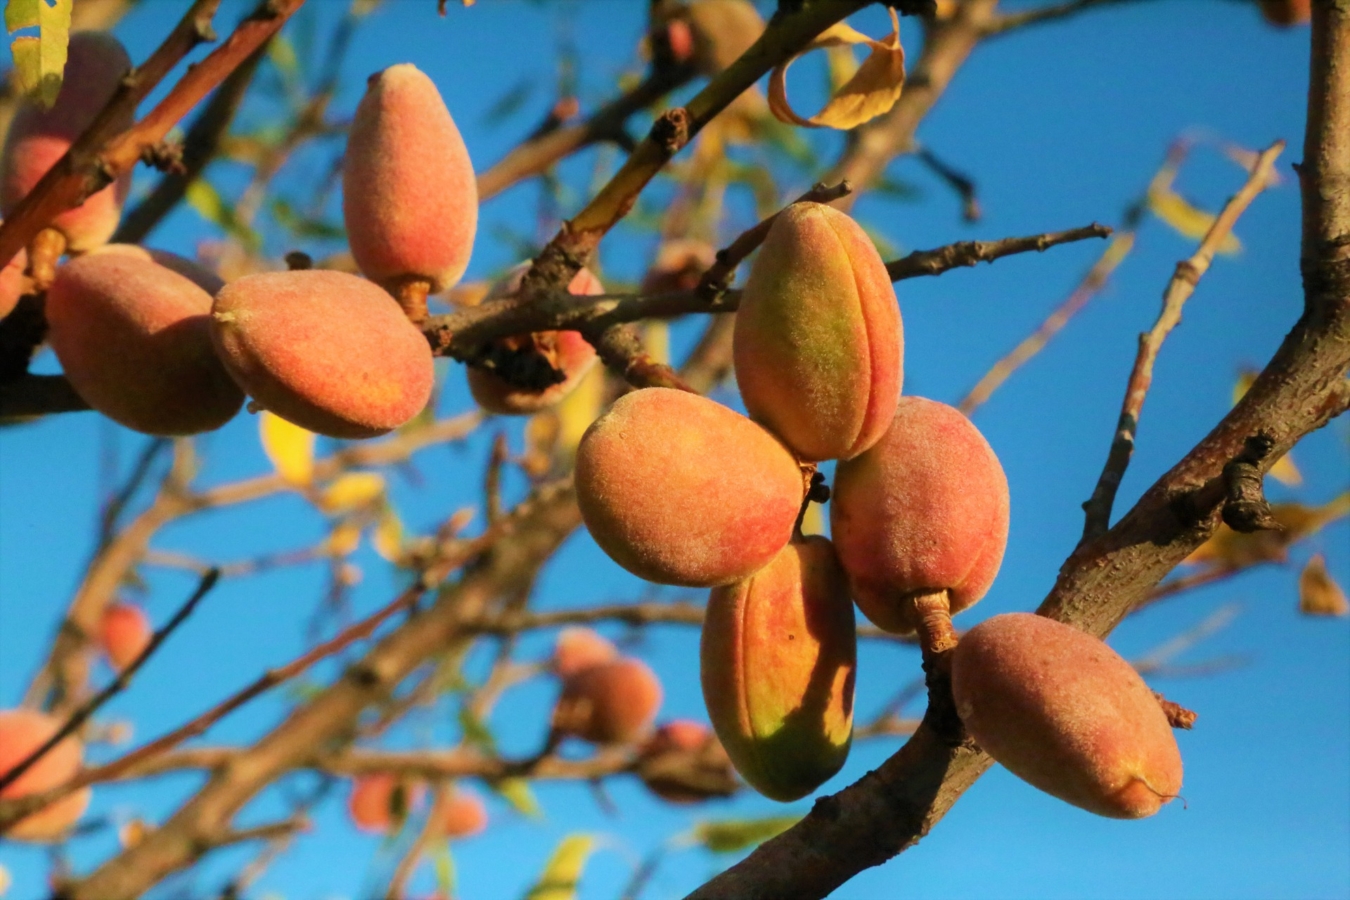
[167, 156]
[1245, 508]
[671, 130]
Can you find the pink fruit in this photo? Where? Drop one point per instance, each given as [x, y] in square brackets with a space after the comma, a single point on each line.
[818, 344]
[381, 802]
[95, 64]
[327, 351]
[134, 339]
[461, 814]
[924, 510]
[678, 489]
[609, 703]
[683, 762]
[1064, 712]
[193, 271]
[778, 658]
[13, 284]
[580, 648]
[21, 732]
[408, 192]
[123, 634]
[565, 351]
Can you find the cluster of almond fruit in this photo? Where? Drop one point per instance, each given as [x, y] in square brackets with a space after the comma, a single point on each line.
[675, 487]
[163, 346]
[681, 490]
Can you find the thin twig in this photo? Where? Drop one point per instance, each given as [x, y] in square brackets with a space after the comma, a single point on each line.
[118, 684]
[956, 180]
[1041, 15]
[718, 277]
[1092, 282]
[103, 152]
[1179, 289]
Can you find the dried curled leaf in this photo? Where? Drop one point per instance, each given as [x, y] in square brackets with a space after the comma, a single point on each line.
[1186, 220]
[1318, 592]
[871, 92]
[289, 447]
[39, 62]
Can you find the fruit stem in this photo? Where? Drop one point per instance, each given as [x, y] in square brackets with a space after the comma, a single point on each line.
[43, 255]
[933, 618]
[411, 293]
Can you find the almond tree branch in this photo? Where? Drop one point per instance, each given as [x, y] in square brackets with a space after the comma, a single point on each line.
[118, 684]
[1301, 388]
[461, 334]
[1041, 15]
[1179, 289]
[103, 153]
[199, 148]
[64, 667]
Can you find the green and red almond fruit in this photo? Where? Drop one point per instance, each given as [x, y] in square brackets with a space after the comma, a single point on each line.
[325, 350]
[565, 351]
[134, 339]
[681, 490]
[95, 65]
[818, 344]
[1064, 712]
[409, 198]
[778, 661]
[924, 510]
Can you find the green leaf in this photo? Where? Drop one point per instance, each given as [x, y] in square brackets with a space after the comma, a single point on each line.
[475, 730]
[445, 869]
[516, 791]
[1188, 221]
[304, 227]
[735, 835]
[560, 876]
[208, 203]
[39, 61]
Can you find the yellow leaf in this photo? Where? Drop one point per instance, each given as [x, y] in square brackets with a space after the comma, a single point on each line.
[580, 408]
[1188, 221]
[656, 338]
[1318, 593]
[351, 491]
[1284, 471]
[814, 521]
[541, 437]
[344, 539]
[39, 62]
[388, 536]
[5, 881]
[563, 871]
[289, 447]
[871, 92]
[516, 791]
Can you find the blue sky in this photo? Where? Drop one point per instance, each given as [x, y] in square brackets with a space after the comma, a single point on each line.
[1060, 126]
